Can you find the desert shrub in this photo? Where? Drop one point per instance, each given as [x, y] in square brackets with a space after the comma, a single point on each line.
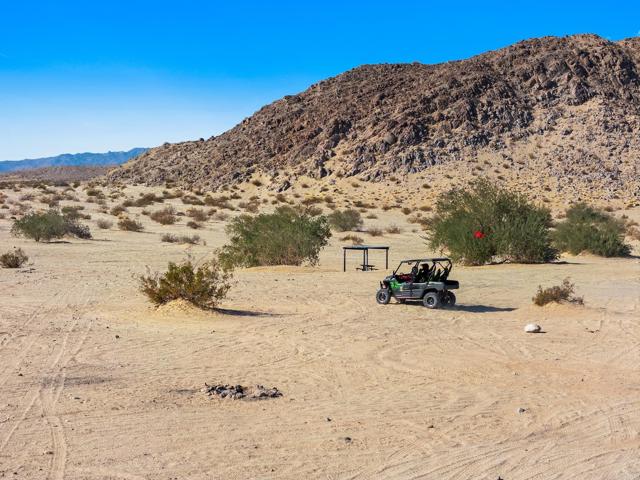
[201, 285]
[166, 216]
[130, 225]
[483, 222]
[117, 210]
[345, 220]
[191, 200]
[197, 214]
[286, 237]
[48, 225]
[587, 229]
[104, 224]
[557, 293]
[354, 239]
[170, 238]
[13, 259]
[74, 212]
[375, 231]
[147, 199]
[633, 233]
[220, 216]
[194, 225]
[393, 229]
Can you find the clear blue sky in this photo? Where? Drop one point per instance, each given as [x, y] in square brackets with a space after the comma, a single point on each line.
[111, 75]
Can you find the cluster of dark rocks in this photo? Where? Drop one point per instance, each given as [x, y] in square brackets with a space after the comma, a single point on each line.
[238, 392]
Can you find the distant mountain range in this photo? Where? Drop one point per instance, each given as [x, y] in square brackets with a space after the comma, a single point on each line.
[71, 159]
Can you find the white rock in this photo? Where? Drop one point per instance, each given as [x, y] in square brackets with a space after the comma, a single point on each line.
[532, 328]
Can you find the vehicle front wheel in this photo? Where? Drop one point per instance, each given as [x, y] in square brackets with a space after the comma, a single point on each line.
[431, 300]
[383, 296]
[449, 299]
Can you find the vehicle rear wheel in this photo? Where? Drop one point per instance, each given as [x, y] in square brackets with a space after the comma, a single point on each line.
[431, 300]
[450, 299]
[383, 296]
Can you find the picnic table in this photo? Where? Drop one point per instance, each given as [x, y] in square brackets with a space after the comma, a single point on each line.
[366, 266]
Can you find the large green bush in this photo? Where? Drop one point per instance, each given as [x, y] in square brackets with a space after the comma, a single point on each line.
[46, 226]
[345, 220]
[587, 229]
[201, 285]
[286, 237]
[484, 223]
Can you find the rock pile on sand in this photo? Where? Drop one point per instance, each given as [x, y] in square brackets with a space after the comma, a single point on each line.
[238, 392]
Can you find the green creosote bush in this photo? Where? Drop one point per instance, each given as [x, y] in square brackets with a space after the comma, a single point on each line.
[203, 285]
[588, 229]
[286, 237]
[510, 227]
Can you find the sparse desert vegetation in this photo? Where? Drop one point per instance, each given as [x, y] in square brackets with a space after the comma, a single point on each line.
[203, 285]
[557, 294]
[484, 223]
[587, 229]
[13, 259]
[285, 237]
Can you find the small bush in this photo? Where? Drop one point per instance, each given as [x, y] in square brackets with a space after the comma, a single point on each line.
[147, 199]
[194, 225]
[203, 286]
[393, 229]
[130, 225]
[557, 293]
[117, 210]
[354, 239]
[47, 226]
[484, 222]
[104, 224]
[14, 259]
[587, 229]
[166, 216]
[170, 238]
[346, 220]
[285, 237]
[197, 214]
[375, 232]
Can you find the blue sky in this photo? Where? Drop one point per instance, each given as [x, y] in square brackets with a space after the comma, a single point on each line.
[112, 75]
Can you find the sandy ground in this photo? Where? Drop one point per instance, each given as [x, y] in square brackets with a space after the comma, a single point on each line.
[95, 384]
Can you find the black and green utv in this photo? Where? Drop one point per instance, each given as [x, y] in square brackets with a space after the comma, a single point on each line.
[426, 280]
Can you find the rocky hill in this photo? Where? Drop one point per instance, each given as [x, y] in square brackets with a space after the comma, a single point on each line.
[560, 112]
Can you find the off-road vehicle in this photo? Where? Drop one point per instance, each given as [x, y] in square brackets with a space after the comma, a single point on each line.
[427, 281]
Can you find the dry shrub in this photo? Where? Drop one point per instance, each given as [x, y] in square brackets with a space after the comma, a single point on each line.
[354, 239]
[192, 240]
[13, 259]
[220, 216]
[104, 224]
[557, 294]
[194, 225]
[197, 214]
[393, 229]
[633, 233]
[117, 210]
[375, 231]
[147, 199]
[201, 285]
[130, 225]
[166, 216]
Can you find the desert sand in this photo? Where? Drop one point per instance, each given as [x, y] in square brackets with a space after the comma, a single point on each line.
[97, 384]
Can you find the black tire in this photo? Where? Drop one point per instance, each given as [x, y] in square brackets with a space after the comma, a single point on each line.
[383, 296]
[450, 299]
[431, 300]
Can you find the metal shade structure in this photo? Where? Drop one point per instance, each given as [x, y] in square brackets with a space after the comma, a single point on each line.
[365, 256]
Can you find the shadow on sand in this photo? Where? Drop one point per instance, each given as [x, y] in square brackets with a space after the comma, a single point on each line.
[482, 308]
[245, 313]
